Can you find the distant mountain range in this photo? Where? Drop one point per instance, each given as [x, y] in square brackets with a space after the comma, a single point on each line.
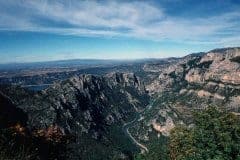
[69, 63]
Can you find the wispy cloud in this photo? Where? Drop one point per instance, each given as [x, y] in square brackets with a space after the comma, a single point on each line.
[137, 19]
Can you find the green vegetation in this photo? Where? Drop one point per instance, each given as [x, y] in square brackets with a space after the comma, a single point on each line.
[236, 59]
[157, 150]
[215, 135]
[17, 143]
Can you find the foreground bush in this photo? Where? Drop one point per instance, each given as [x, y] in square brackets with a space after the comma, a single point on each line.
[215, 135]
[17, 143]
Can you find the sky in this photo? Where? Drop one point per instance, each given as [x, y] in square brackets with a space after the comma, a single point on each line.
[46, 30]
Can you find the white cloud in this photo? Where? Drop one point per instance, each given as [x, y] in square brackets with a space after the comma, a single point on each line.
[138, 19]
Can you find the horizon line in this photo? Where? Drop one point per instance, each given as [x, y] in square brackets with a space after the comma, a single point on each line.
[113, 59]
[89, 59]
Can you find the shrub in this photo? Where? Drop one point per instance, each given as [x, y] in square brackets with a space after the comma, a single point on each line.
[215, 135]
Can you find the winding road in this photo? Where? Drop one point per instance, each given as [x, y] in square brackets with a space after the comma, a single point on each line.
[128, 125]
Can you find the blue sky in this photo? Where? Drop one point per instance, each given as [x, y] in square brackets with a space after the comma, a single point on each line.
[44, 30]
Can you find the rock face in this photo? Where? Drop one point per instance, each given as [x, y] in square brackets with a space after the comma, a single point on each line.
[214, 75]
[189, 84]
[88, 107]
[86, 101]
[164, 129]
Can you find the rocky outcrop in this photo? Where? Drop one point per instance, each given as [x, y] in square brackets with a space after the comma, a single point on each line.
[87, 107]
[164, 129]
[86, 102]
[187, 85]
[214, 75]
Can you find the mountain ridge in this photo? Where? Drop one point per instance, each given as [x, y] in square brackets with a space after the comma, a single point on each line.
[93, 108]
[87, 105]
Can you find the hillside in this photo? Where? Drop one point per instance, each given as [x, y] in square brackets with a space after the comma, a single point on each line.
[116, 115]
[90, 108]
[188, 85]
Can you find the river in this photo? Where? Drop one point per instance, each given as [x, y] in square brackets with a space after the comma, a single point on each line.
[132, 123]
